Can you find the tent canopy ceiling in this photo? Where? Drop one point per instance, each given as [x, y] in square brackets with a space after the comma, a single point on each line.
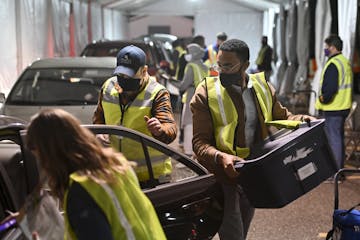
[132, 6]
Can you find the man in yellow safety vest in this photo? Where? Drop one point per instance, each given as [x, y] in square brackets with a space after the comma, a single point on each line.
[335, 95]
[230, 115]
[133, 99]
[211, 52]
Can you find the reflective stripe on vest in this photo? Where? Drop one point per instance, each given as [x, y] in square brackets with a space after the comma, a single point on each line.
[121, 202]
[225, 120]
[263, 94]
[261, 55]
[199, 73]
[343, 98]
[264, 97]
[133, 117]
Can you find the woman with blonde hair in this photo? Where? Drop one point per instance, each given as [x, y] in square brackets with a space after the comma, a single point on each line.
[100, 193]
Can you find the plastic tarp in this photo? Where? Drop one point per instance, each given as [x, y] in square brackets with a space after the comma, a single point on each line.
[96, 23]
[281, 62]
[322, 29]
[81, 29]
[114, 27]
[8, 66]
[32, 31]
[35, 29]
[302, 47]
[273, 79]
[60, 12]
[347, 13]
[291, 32]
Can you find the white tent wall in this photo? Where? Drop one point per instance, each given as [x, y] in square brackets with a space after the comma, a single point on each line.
[213, 16]
[179, 26]
[60, 13]
[322, 29]
[243, 25]
[347, 13]
[32, 29]
[268, 25]
[290, 49]
[8, 66]
[81, 26]
[302, 47]
[115, 24]
[96, 22]
[281, 63]
[35, 29]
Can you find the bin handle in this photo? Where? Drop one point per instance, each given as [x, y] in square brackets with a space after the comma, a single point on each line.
[348, 211]
[336, 188]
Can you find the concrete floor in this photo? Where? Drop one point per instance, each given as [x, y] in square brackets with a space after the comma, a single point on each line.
[307, 218]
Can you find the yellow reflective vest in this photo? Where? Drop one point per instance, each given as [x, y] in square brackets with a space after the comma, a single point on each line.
[132, 116]
[211, 61]
[343, 98]
[199, 75]
[225, 117]
[181, 52]
[126, 208]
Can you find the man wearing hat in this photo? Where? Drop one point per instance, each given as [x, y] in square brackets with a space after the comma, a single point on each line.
[133, 99]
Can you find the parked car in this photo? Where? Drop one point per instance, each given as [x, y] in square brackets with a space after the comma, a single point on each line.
[189, 206]
[72, 84]
[157, 59]
[155, 56]
[163, 40]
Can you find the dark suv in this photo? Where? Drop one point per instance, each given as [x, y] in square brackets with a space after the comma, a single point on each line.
[156, 58]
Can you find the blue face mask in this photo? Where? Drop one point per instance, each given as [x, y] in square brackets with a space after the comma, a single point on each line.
[327, 52]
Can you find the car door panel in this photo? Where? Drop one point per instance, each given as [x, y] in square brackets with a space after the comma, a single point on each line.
[188, 207]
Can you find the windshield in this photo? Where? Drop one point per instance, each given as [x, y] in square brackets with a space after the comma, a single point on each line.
[75, 86]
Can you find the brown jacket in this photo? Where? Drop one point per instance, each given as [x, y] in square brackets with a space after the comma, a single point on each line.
[161, 109]
[204, 144]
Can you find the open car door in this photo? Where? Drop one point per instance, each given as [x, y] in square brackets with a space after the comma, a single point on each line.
[189, 202]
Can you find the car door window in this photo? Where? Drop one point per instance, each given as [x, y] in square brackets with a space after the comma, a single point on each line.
[145, 155]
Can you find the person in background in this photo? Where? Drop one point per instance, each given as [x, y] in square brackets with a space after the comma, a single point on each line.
[195, 72]
[335, 95]
[230, 115]
[100, 193]
[264, 58]
[212, 50]
[133, 99]
[178, 57]
[200, 40]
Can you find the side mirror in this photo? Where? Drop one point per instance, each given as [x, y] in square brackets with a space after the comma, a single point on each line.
[2, 97]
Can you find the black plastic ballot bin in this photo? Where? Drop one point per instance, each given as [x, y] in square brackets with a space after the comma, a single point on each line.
[287, 165]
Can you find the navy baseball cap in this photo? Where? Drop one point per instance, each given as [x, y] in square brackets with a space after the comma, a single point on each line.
[129, 60]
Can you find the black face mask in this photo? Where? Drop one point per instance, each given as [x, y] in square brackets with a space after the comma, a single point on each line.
[228, 79]
[129, 84]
